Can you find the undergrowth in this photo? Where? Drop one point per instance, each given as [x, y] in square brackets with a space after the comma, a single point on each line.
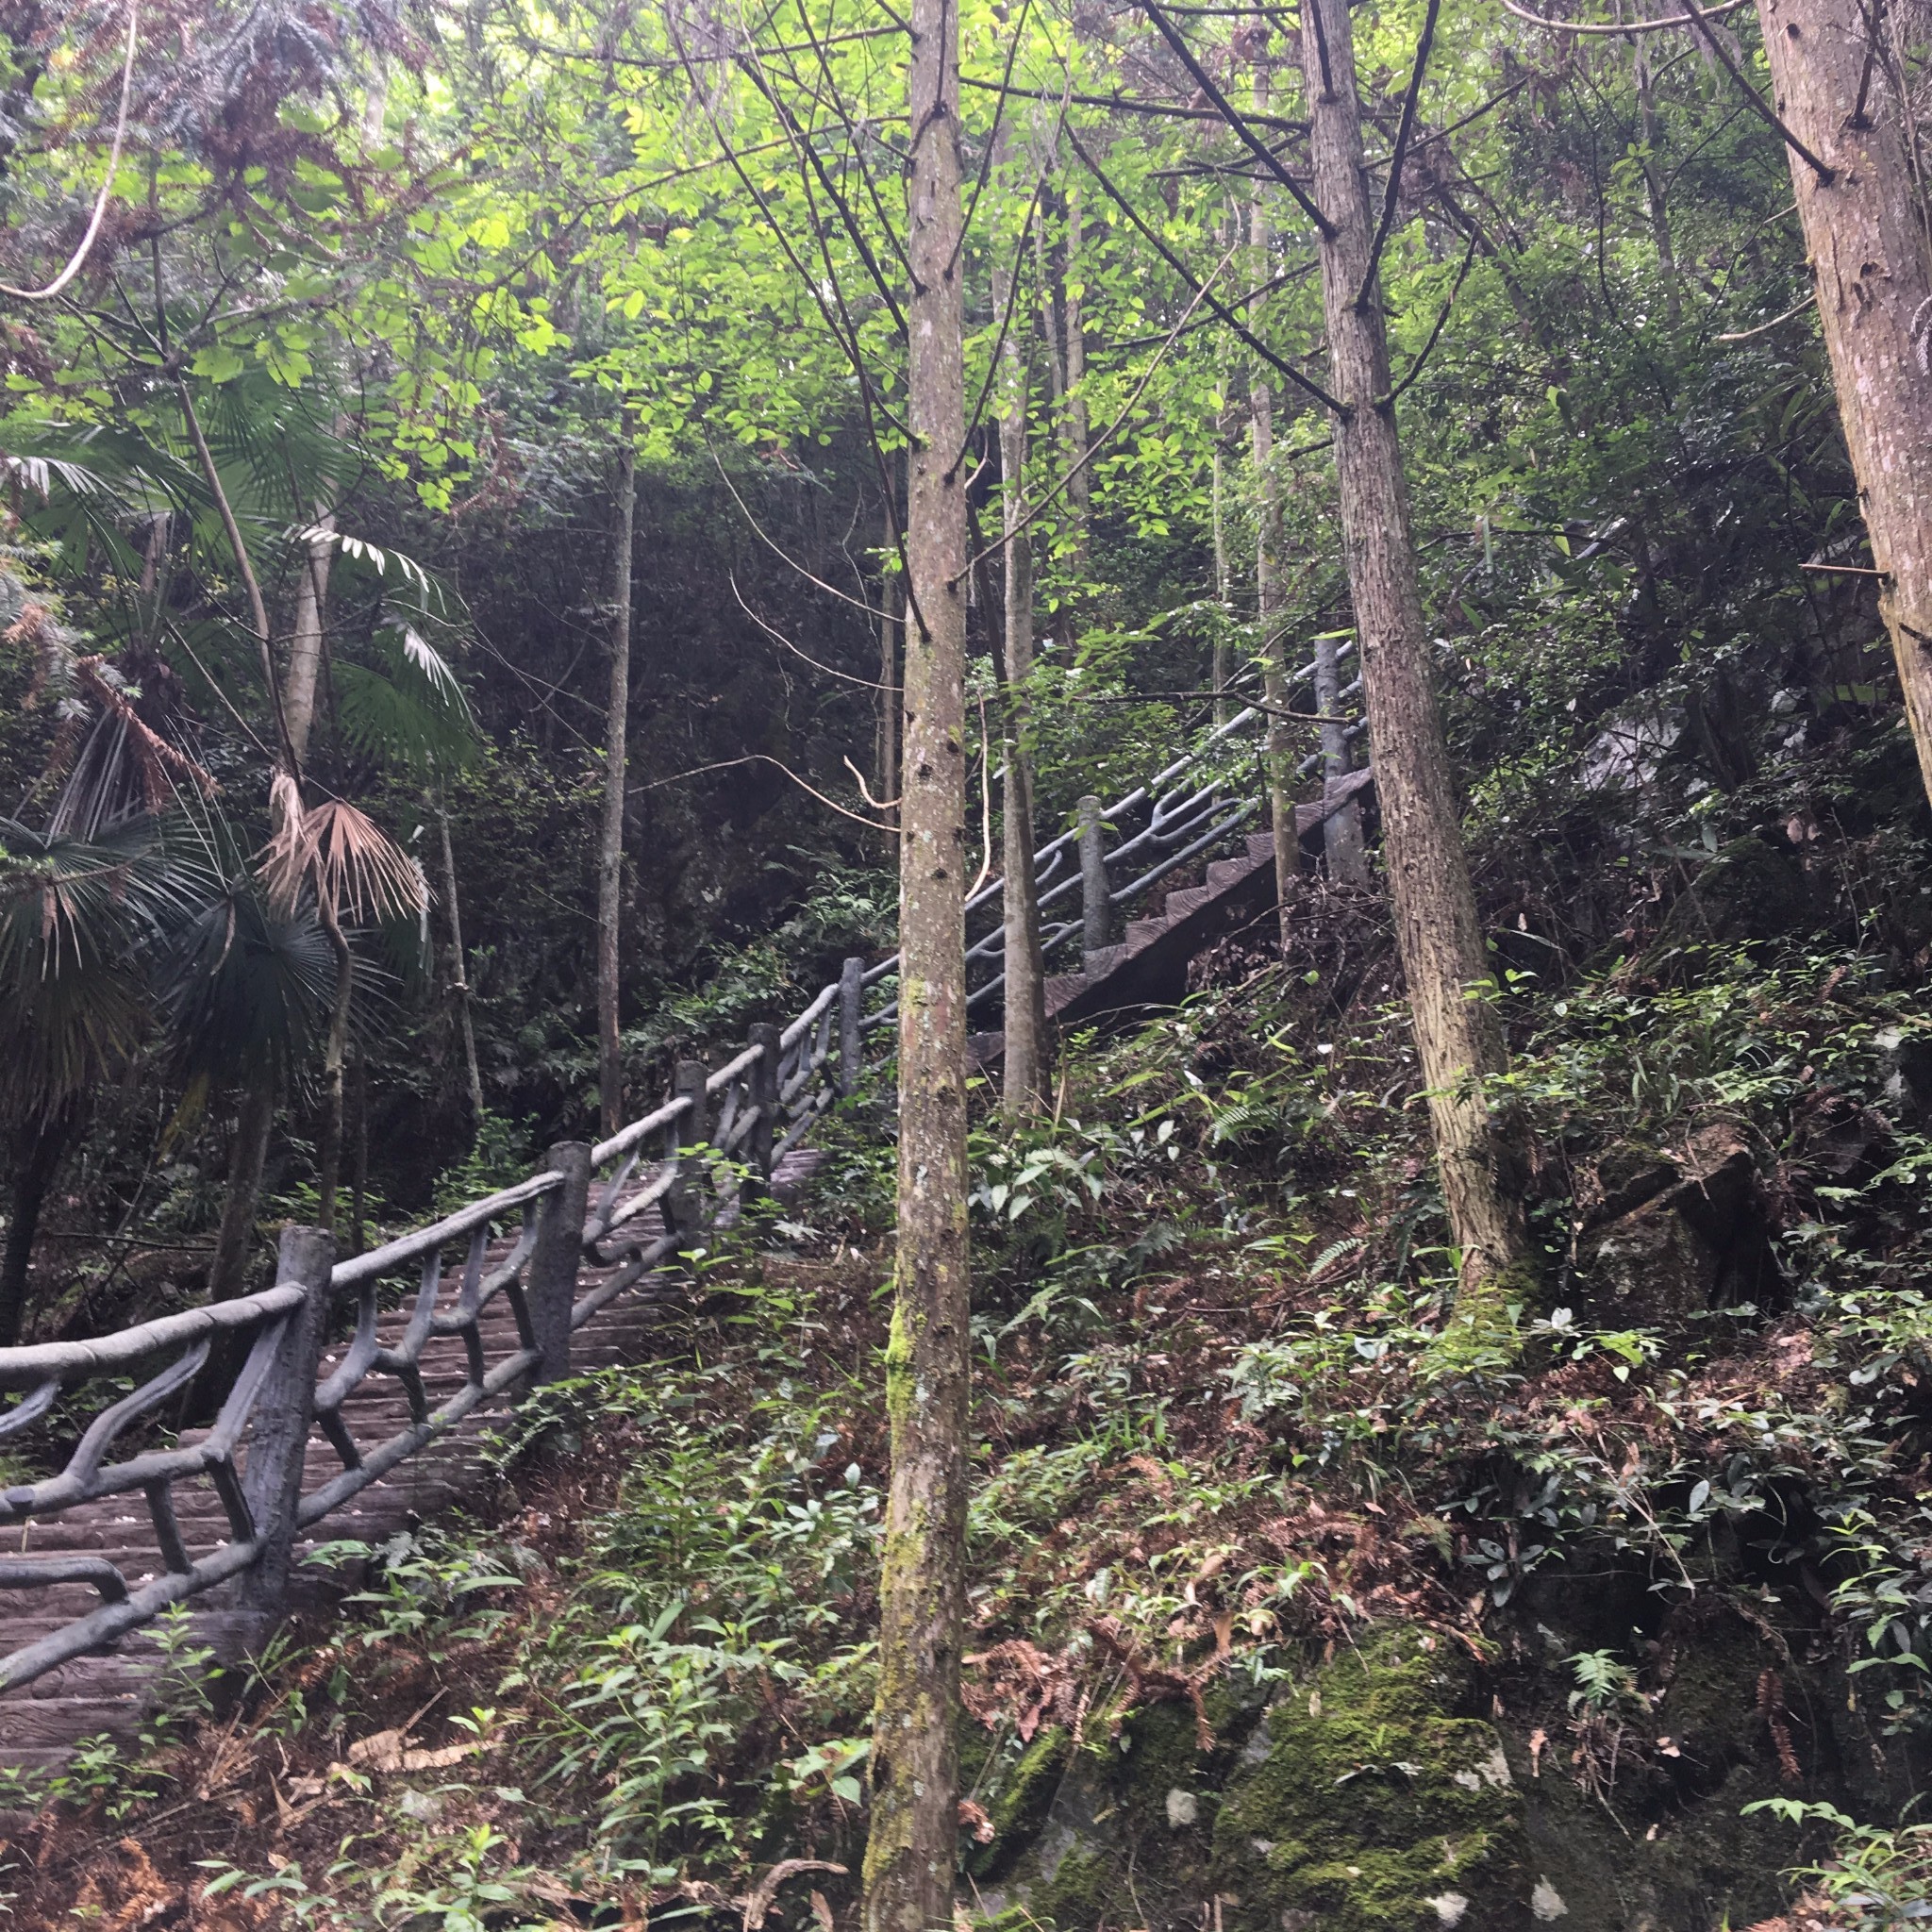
[1212, 1443]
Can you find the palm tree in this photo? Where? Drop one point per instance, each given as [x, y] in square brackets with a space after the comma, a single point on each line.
[245, 987]
[72, 914]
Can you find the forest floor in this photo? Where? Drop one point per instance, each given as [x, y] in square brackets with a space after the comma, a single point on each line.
[1623, 1624]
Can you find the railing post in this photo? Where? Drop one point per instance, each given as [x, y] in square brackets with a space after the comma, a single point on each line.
[851, 1001]
[279, 1440]
[684, 1206]
[550, 1285]
[1096, 907]
[1341, 832]
[763, 1096]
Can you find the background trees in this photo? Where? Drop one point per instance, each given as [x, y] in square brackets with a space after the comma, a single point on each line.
[410, 277]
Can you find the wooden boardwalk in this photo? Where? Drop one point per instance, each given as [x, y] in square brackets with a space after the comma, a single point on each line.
[106, 1695]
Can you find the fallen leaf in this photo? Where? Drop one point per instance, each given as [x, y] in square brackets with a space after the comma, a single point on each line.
[973, 1817]
[1539, 1744]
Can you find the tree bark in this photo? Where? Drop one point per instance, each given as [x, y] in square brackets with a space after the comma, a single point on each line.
[1655, 203]
[304, 670]
[1268, 581]
[229, 1272]
[886, 763]
[1080, 490]
[39, 1160]
[328, 1161]
[610, 838]
[1023, 1065]
[1869, 261]
[459, 967]
[1458, 1034]
[912, 1842]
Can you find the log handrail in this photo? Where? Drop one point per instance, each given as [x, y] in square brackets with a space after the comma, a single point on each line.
[720, 1135]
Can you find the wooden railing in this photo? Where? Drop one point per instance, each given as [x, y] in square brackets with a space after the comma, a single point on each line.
[692, 1158]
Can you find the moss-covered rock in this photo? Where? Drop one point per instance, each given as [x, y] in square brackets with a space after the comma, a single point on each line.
[1368, 1805]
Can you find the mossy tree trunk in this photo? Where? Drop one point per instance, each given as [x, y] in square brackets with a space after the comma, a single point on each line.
[1871, 266]
[1458, 1034]
[1268, 539]
[912, 1842]
[1023, 1070]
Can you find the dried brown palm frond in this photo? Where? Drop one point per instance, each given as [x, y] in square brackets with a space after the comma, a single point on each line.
[350, 865]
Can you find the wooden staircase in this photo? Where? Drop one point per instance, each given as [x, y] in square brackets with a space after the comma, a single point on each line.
[1148, 968]
[107, 1694]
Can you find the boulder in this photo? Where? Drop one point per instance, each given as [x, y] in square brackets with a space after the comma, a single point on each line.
[1666, 1237]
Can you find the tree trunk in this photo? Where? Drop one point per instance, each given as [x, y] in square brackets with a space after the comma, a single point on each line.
[1224, 569]
[912, 1842]
[228, 1273]
[358, 1171]
[886, 762]
[33, 1176]
[1655, 203]
[1080, 490]
[1869, 261]
[1288, 851]
[303, 673]
[1341, 833]
[1024, 1067]
[610, 839]
[459, 968]
[328, 1162]
[1457, 1035]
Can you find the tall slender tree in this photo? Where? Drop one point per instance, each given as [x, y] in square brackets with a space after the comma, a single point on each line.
[1865, 237]
[610, 832]
[1457, 1032]
[1267, 539]
[1024, 1067]
[912, 1842]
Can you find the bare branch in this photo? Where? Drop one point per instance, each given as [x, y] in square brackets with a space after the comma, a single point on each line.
[1220, 308]
[1404, 130]
[1227, 111]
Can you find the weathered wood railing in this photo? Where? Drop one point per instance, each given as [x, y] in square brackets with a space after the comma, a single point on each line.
[691, 1159]
[1195, 809]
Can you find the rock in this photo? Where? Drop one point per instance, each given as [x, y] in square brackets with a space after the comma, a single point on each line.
[1671, 1239]
[1906, 1057]
[1381, 1809]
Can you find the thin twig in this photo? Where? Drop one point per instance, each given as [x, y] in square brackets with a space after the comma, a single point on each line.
[778, 637]
[1745, 335]
[762, 757]
[1628, 29]
[81, 254]
[1753, 99]
[1107, 435]
[1415, 367]
[257, 608]
[758, 530]
[1125, 103]
[1220, 308]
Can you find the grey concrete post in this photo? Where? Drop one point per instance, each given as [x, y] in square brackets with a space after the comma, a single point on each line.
[279, 1440]
[1096, 909]
[764, 1096]
[851, 1001]
[550, 1284]
[684, 1205]
[1341, 834]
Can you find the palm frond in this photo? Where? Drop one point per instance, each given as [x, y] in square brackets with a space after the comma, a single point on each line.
[341, 856]
[246, 988]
